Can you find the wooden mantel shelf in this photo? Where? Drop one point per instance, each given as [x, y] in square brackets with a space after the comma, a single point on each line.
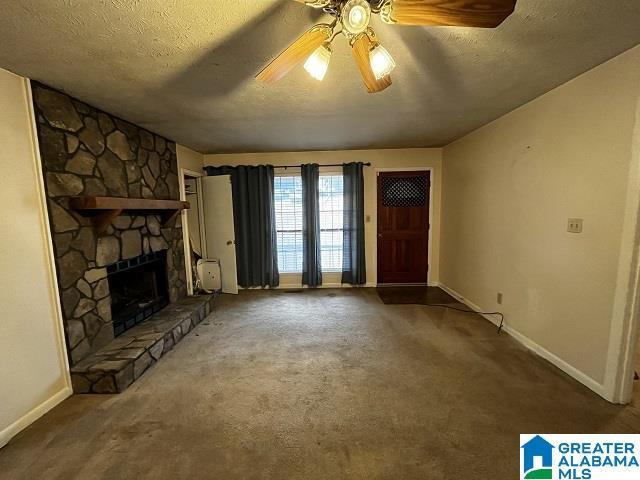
[103, 210]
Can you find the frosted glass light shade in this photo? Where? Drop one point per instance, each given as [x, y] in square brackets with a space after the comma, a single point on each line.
[382, 63]
[318, 63]
[356, 15]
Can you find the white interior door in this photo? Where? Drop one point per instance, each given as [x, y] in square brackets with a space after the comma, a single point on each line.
[220, 235]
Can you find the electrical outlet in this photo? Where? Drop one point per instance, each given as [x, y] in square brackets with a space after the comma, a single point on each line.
[499, 298]
[574, 225]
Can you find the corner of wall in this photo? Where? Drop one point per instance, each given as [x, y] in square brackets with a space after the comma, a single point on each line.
[189, 159]
[47, 237]
[62, 379]
[30, 417]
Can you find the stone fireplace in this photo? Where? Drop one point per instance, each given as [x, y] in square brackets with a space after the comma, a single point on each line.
[87, 152]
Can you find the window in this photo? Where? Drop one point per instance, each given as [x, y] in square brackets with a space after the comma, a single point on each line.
[331, 222]
[288, 206]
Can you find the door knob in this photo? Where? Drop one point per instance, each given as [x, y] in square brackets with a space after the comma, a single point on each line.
[229, 242]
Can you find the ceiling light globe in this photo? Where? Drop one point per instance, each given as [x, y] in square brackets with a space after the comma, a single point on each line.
[318, 63]
[356, 15]
[382, 63]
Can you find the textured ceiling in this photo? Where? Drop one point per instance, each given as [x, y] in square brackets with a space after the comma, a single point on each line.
[185, 68]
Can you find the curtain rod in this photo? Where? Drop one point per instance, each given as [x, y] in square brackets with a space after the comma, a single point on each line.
[332, 165]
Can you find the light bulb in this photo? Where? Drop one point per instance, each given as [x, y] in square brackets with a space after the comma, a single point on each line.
[318, 63]
[356, 15]
[382, 62]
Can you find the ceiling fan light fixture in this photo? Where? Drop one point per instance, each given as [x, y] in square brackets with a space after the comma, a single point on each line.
[352, 19]
[356, 15]
[318, 62]
[382, 63]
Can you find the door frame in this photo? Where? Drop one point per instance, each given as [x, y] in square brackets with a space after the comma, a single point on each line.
[185, 172]
[621, 386]
[431, 209]
[625, 325]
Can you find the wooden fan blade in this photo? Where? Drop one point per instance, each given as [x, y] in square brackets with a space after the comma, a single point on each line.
[462, 13]
[361, 47]
[297, 52]
[315, 3]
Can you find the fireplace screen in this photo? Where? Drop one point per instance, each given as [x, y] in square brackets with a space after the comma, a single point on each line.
[138, 290]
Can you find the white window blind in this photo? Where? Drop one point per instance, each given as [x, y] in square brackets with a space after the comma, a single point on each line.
[288, 206]
[331, 222]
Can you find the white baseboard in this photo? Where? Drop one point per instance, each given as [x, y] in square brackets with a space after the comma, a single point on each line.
[12, 430]
[291, 286]
[573, 372]
[495, 319]
[570, 370]
[324, 285]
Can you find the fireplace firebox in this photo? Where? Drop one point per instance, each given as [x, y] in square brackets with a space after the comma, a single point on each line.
[138, 289]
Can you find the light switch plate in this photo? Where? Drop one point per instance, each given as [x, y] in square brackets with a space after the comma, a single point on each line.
[574, 225]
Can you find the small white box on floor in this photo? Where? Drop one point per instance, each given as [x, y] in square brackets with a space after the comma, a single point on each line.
[209, 275]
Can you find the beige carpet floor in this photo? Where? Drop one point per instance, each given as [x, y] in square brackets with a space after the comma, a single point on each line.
[329, 384]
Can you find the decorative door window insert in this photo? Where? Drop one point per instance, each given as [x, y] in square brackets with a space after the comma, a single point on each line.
[404, 191]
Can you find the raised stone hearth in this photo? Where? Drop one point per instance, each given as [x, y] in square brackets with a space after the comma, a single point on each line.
[114, 368]
[87, 152]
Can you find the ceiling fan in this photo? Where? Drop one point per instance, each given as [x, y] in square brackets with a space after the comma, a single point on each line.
[352, 19]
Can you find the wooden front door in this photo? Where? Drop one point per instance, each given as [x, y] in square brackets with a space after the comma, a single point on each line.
[403, 227]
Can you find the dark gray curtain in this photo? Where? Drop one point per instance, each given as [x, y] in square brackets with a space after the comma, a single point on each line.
[255, 223]
[354, 269]
[311, 265]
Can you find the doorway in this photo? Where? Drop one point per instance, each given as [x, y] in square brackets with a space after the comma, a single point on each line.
[403, 227]
[192, 223]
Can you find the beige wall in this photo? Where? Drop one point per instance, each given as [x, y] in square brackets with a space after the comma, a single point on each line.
[33, 369]
[508, 190]
[189, 159]
[422, 158]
